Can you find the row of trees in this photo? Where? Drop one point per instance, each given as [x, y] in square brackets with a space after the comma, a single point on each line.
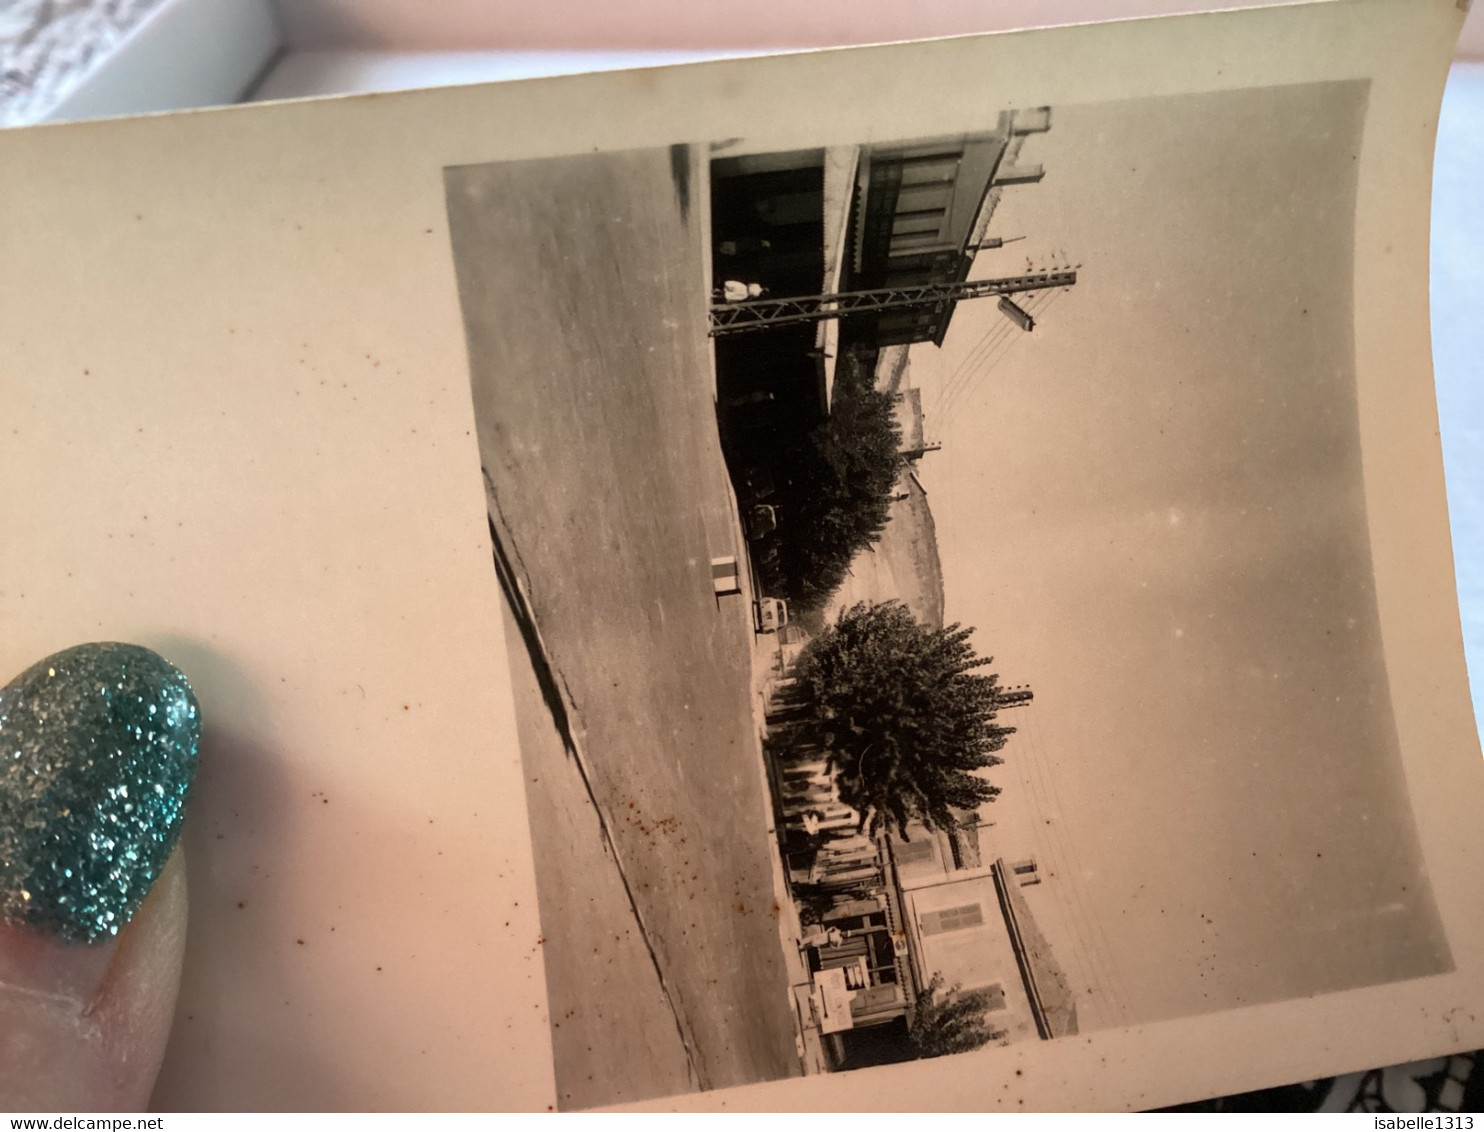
[835, 488]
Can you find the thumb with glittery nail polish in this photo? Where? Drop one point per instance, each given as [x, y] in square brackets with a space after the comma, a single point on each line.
[98, 749]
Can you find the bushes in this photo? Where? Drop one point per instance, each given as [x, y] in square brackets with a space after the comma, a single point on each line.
[834, 490]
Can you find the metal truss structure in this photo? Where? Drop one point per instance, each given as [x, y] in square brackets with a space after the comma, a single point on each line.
[760, 314]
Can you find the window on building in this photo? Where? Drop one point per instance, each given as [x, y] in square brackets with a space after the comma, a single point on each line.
[934, 197]
[929, 170]
[917, 224]
[1026, 872]
[881, 959]
[913, 242]
[911, 852]
[951, 919]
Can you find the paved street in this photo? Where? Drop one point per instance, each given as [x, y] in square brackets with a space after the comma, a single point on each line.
[584, 294]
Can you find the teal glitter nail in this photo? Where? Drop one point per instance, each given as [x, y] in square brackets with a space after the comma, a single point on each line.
[97, 752]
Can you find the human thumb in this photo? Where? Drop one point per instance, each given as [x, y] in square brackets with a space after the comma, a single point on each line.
[97, 753]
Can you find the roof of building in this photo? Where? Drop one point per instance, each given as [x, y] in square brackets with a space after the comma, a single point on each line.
[1046, 983]
[991, 200]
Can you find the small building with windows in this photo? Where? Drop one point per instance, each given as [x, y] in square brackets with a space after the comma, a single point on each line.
[891, 913]
[971, 923]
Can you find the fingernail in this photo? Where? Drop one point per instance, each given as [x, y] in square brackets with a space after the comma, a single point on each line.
[97, 753]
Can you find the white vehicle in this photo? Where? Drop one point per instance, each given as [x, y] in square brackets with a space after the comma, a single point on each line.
[772, 614]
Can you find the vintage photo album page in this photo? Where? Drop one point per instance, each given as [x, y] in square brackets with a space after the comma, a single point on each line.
[890, 578]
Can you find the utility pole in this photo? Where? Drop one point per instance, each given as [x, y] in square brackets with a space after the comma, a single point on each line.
[759, 314]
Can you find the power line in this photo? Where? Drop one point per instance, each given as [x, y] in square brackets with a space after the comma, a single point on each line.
[986, 345]
[1106, 961]
[944, 384]
[992, 357]
[1056, 854]
[987, 363]
[1085, 921]
[1092, 962]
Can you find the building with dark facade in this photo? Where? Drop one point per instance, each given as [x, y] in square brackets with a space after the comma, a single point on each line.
[847, 218]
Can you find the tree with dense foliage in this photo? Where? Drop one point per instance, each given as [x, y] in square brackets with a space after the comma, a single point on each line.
[838, 487]
[951, 1022]
[901, 710]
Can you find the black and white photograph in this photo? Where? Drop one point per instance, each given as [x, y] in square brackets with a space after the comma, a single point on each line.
[942, 571]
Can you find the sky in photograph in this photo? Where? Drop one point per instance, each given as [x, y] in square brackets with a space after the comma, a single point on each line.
[1151, 509]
